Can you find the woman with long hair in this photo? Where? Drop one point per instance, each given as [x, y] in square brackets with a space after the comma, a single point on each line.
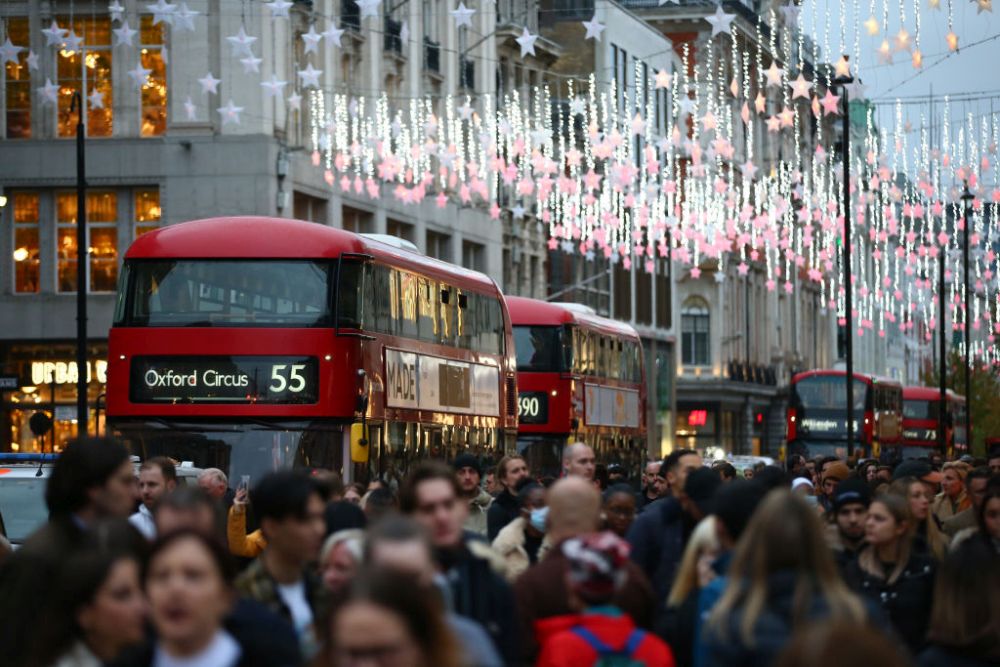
[892, 574]
[965, 619]
[391, 619]
[927, 536]
[677, 625]
[782, 576]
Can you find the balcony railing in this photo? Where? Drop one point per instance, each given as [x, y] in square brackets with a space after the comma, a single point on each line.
[432, 56]
[393, 37]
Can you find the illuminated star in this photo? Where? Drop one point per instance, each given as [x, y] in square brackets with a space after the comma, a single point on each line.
[871, 25]
[773, 74]
[465, 111]
[295, 101]
[708, 121]
[116, 10]
[842, 68]
[209, 84]
[760, 103]
[749, 170]
[902, 40]
[577, 106]
[96, 99]
[462, 15]
[274, 87]
[312, 40]
[662, 79]
[310, 76]
[54, 34]
[952, 40]
[8, 52]
[189, 108]
[251, 64]
[773, 123]
[32, 61]
[918, 59]
[984, 6]
[124, 35]
[139, 75]
[830, 102]
[184, 18]
[787, 117]
[332, 35]
[48, 91]
[801, 87]
[230, 113]
[884, 53]
[527, 43]
[72, 42]
[594, 28]
[368, 8]
[162, 11]
[720, 21]
[278, 8]
[241, 43]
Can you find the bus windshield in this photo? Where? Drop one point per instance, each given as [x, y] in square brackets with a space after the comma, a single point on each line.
[920, 409]
[539, 348]
[826, 392]
[224, 293]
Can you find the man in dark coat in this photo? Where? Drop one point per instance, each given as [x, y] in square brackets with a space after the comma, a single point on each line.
[505, 508]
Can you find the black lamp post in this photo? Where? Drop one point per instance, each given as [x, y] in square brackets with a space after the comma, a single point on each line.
[967, 199]
[942, 362]
[82, 261]
[842, 82]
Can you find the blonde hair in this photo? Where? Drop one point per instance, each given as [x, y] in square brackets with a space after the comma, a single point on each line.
[352, 538]
[937, 541]
[784, 535]
[702, 539]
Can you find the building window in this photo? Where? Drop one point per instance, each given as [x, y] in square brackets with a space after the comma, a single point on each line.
[154, 91]
[102, 216]
[147, 211]
[695, 332]
[27, 259]
[357, 221]
[18, 82]
[473, 256]
[87, 71]
[400, 230]
[307, 207]
[438, 245]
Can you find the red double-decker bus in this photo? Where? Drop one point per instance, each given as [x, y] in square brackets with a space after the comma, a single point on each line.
[252, 344]
[817, 414]
[580, 378]
[921, 417]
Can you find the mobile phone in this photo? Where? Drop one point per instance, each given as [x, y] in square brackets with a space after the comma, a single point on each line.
[244, 483]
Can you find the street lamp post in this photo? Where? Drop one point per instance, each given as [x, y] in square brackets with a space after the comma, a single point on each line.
[967, 198]
[82, 257]
[942, 363]
[843, 82]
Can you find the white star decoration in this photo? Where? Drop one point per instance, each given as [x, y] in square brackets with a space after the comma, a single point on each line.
[278, 8]
[139, 75]
[720, 21]
[230, 113]
[32, 61]
[8, 52]
[184, 18]
[312, 40]
[274, 87]
[462, 15]
[310, 76]
[241, 43]
[368, 8]
[594, 28]
[116, 10]
[54, 34]
[527, 43]
[209, 84]
[124, 35]
[251, 64]
[332, 35]
[295, 101]
[48, 91]
[72, 42]
[189, 108]
[162, 11]
[96, 99]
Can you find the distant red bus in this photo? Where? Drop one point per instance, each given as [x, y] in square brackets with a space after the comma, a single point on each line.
[252, 344]
[580, 377]
[817, 414]
[921, 416]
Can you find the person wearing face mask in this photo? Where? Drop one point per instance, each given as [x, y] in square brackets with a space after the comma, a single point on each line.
[522, 541]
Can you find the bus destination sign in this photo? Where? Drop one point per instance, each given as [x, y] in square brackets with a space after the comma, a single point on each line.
[266, 380]
[533, 407]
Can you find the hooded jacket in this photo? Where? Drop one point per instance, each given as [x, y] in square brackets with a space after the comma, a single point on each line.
[562, 647]
[476, 521]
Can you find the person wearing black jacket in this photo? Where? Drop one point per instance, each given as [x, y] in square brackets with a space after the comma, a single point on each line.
[431, 496]
[890, 573]
[505, 507]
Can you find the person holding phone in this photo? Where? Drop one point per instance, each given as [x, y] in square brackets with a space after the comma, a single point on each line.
[240, 543]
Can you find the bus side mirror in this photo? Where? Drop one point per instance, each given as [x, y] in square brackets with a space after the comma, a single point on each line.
[359, 443]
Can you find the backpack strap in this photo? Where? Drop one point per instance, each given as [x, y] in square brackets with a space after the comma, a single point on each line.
[634, 639]
[591, 639]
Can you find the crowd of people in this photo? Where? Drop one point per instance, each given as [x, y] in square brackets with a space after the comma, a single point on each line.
[818, 562]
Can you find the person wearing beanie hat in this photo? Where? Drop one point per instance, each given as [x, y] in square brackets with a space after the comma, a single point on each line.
[848, 511]
[833, 474]
[470, 473]
[599, 631]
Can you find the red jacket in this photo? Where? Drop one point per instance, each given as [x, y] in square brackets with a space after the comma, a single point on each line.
[561, 647]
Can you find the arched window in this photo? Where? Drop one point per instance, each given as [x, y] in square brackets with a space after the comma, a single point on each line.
[695, 331]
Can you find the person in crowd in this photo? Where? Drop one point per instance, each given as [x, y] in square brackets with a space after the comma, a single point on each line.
[329, 483]
[505, 508]
[677, 624]
[431, 495]
[834, 472]
[953, 499]
[345, 515]
[839, 644]
[653, 486]
[490, 483]
[975, 487]
[601, 476]
[92, 479]
[846, 521]
[378, 503]
[725, 470]
[597, 630]
[619, 509]
[922, 471]
[578, 459]
[340, 558]
[748, 473]
[993, 460]
[401, 544]
[775, 588]
[185, 507]
[470, 474]
[796, 465]
[522, 541]
[964, 628]
[390, 618]
[98, 608]
[892, 574]
[676, 467]
[240, 543]
[188, 582]
[987, 518]
[157, 476]
[574, 510]
[290, 510]
[927, 536]
[354, 492]
[658, 536]
[804, 487]
[215, 483]
[616, 474]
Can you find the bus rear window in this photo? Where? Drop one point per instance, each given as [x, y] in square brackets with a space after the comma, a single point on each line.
[827, 392]
[920, 409]
[223, 293]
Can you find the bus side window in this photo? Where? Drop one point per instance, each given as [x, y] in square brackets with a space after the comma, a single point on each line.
[427, 322]
[448, 306]
[408, 305]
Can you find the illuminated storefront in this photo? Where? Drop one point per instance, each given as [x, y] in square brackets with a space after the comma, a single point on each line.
[48, 376]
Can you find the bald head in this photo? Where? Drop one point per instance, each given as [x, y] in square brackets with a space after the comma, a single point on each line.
[578, 460]
[574, 508]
